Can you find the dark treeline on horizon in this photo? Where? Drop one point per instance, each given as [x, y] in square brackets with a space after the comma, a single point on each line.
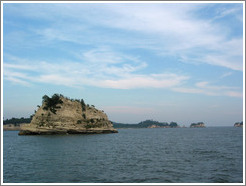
[145, 124]
[17, 121]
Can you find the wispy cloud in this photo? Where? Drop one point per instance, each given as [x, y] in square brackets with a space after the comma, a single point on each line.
[223, 12]
[128, 109]
[146, 81]
[226, 74]
[16, 77]
[234, 94]
[76, 74]
[171, 26]
[211, 90]
[100, 68]
[172, 29]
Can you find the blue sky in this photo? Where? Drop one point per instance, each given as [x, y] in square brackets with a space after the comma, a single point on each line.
[178, 62]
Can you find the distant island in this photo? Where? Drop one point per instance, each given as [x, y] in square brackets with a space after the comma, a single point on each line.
[238, 124]
[197, 125]
[11, 127]
[15, 123]
[147, 124]
[61, 115]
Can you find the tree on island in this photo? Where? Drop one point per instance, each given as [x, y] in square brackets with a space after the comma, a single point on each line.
[173, 124]
[51, 103]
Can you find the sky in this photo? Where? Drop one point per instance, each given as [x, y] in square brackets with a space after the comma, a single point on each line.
[179, 62]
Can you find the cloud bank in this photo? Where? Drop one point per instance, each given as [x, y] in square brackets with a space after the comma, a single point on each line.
[104, 41]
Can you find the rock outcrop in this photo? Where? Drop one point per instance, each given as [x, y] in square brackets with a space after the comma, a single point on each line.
[61, 115]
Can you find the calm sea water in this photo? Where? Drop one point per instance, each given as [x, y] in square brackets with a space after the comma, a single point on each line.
[179, 155]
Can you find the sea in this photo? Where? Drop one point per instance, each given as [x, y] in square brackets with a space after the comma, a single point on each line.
[157, 155]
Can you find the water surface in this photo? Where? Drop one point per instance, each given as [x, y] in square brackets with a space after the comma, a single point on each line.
[159, 155]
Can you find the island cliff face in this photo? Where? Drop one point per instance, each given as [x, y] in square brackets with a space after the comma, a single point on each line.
[61, 115]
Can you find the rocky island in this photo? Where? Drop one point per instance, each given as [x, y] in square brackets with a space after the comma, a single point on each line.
[238, 124]
[147, 124]
[61, 115]
[197, 125]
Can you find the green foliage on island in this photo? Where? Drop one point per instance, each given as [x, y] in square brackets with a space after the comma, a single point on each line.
[173, 124]
[83, 105]
[199, 124]
[17, 121]
[55, 99]
[51, 103]
[146, 124]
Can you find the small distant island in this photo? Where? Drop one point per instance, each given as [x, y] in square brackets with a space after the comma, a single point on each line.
[15, 123]
[238, 124]
[61, 115]
[147, 124]
[197, 125]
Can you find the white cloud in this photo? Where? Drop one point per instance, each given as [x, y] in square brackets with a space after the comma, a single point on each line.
[57, 79]
[222, 12]
[211, 90]
[102, 55]
[172, 29]
[177, 32]
[225, 61]
[146, 81]
[18, 81]
[205, 85]
[75, 74]
[234, 94]
[16, 77]
[226, 74]
[187, 90]
[18, 66]
[116, 71]
[166, 29]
